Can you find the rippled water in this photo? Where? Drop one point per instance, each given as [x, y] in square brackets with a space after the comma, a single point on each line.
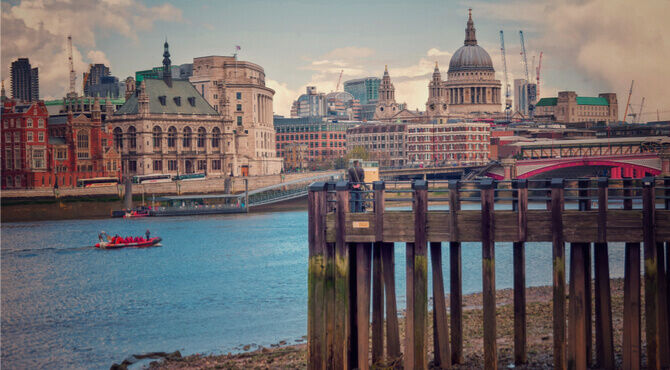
[218, 282]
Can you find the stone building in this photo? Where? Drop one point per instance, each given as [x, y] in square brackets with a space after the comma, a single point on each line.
[569, 108]
[250, 108]
[167, 127]
[471, 85]
[438, 99]
[384, 142]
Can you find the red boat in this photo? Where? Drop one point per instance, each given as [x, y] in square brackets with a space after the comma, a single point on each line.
[141, 243]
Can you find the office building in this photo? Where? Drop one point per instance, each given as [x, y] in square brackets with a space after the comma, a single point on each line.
[25, 81]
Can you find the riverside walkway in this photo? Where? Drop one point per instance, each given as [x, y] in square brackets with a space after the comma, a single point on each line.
[351, 268]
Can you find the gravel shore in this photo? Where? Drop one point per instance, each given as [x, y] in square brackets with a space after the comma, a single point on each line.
[539, 337]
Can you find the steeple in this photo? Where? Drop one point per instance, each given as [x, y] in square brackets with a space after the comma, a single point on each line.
[470, 38]
[167, 65]
[436, 73]
[386, 89]
[2, 92]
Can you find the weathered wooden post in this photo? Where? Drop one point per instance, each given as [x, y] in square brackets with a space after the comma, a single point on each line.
[604, 336]
[585, 205]
[420, 280]
[577, 329]
[363, 263]
[316, 276]
[558, 256]
[343, 342]
[520, 205]
[631, 294]
[440, 322]
[329, 287]
[377, 279]
[650, 273]
[455, 281]
[388, 272]
[487, 187]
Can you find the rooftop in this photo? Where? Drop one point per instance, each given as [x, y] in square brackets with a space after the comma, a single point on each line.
[180, 98]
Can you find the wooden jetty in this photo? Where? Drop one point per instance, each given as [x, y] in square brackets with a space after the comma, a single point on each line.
[352, 283]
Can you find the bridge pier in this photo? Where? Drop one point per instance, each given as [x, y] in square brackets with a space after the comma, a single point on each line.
[509, 168]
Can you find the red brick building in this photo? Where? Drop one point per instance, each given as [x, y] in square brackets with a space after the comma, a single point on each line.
[324, 140]
[39, 151]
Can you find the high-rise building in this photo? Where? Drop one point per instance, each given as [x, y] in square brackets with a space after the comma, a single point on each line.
[364, 89]
[93, 76]
[25, 81]
[309, 104]
[521, 96]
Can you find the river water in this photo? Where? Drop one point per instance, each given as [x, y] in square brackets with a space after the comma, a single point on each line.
[218, 283]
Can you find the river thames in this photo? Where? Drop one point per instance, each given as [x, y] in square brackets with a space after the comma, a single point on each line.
[217, 284]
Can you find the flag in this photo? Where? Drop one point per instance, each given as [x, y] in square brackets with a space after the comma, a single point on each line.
[238, 48]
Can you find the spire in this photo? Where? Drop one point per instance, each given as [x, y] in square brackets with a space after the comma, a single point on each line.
[167, 64]
[437, 69]
[386, 69]
[2, 92]
[470, 38]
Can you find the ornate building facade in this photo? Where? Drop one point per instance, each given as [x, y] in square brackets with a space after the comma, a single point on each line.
[438, 98]
[250, 109]
[386, 105]
[471, 87]
[167, 127]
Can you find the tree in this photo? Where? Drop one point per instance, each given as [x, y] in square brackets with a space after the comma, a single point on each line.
[358, 152]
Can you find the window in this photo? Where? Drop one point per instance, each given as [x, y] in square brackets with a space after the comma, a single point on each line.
[8, 159]
[216, 164]
[216, 138]
[5, 123]
[30, 136]
[239, 107]
[18, 123]
[157, 133]
[186, 142]
[17, 159]
[40, 123]
[177, 100]
[239, 120]
[61, 154]
[38, 159]
[82, 140]
[158, 165]
[191, 101]
[8, 137]
[202, 136]
[239, 95]
[132, 137]
[40, 137]
[17, 137]
[202, 165]
[162, 99]
[172, 165]
[118, 138]
[172, 137]
[132, 166]
[29, 123]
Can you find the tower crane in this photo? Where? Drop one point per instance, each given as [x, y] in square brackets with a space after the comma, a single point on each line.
[508, 101]
[71, 92]
[537, 71]
[531, 107]
[630, 92]
[639, 114]
[337, 88]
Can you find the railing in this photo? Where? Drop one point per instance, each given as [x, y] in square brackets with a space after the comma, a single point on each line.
[350, 251]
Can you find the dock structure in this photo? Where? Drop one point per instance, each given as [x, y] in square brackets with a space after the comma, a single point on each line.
[352, 283]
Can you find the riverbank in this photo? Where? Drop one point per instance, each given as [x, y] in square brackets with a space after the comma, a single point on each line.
[539, 336]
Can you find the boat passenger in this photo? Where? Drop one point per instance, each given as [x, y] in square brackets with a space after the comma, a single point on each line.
[148, 234]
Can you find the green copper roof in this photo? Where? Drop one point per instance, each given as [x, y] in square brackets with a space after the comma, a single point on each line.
[181, 89]
[591, 101]
[546, 102]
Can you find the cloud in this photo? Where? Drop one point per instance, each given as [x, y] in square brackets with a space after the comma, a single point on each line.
[283, 98]
[37, 29]
[606, 42]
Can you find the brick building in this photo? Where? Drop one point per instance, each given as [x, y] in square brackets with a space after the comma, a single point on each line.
[465, 143]
[569, 108]
[384, 142]
[325, 140]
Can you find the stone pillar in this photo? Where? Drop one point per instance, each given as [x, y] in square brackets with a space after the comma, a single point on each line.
[509, 168]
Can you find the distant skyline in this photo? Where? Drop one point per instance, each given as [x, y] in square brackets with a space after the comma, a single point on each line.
[589, 47]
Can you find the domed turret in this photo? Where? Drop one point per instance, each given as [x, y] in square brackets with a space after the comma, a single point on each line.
[470, 56]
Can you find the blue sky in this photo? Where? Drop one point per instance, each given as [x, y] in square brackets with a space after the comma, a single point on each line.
[587, 45]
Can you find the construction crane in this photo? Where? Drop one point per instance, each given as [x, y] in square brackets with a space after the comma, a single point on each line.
[630, 92]
[508, 101]
[71, 92]
[639, 113]
[531, 107]
[537, 71]
[337, 88]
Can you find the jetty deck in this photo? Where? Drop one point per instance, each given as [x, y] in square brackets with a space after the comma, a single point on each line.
[352, 283]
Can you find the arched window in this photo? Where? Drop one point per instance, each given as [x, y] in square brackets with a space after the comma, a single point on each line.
[82, 140]
[158, 133]
[118, 138]
[186, 143]
[172, 137]
[202, 136]
[216, 137]
[132, 137]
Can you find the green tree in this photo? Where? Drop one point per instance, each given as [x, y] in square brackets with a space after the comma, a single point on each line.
[358, 152]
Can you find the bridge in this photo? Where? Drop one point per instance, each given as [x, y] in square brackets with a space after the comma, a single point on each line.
[283, 191]
[434, 171]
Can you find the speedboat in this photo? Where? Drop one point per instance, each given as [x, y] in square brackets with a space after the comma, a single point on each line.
[142, 243]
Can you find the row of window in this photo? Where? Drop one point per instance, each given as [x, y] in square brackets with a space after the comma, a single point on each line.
[201, 165]
[448, 138]
[157, 136]
[11, 123]
[30, 138]
[314, 144]
[447, 129]
[311, 137]
[427, 147]
[321, 152]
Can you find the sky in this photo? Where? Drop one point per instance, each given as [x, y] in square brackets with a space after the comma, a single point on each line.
[589, 46]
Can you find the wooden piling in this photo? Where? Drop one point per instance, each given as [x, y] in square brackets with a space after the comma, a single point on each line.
[488, 274]
[420, 273]
[520, 205]
[631, 294]
[576, 311]
[585, 205]
[663, 301]
[316, 279]
[363, 260]
[455, 280]
[440, 323]
[650, 274]
[342, 299]
[329, 287]
[558, 255]
[409, 309]
[392, 327]
[603, 321]
[377, 278]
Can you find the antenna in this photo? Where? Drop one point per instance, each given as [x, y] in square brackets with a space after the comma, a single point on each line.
[71, 92]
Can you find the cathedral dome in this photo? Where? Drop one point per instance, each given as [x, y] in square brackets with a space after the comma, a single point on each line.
[469, 58]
